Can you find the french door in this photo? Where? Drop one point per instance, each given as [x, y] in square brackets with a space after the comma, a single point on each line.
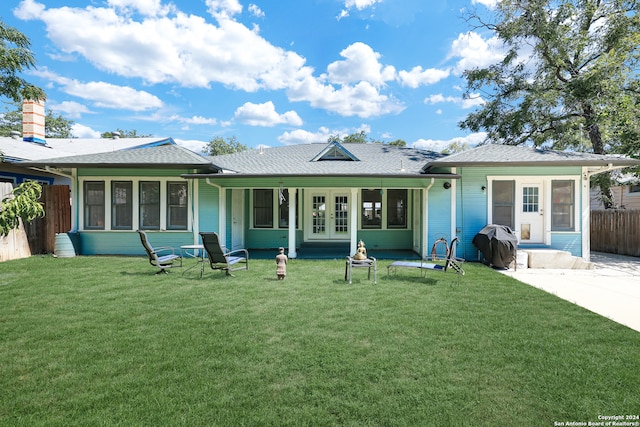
[328, 216]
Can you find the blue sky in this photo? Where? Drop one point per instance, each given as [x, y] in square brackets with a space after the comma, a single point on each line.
[269, 72]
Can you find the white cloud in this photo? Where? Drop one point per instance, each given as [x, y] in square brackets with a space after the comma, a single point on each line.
[475, 52]
[82, 131]
[103, 94]
[356, 4]
[417, 76]
[474, 100]
[71, 109]
[491, 4]
[225, 8]
[440, 144]
[165, 45]
[192, 144]
[256, 11]
[360, 64]
[300, 136]
[265, 115]
[194, 120]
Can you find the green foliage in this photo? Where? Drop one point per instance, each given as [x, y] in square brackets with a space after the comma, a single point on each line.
[218, 146]
[16, 57]
[360, 137]
[132, 133]
[21, 204]
[579, 87]
[54, 126]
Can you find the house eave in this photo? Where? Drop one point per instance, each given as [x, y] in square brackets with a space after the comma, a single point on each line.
[344, 175]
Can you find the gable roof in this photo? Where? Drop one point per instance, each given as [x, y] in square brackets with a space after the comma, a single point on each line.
[166, 156]
[312, 159]
[509, 155]
[15, 149]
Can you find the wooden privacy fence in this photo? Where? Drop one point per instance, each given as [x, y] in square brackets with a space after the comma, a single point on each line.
[39, 236]
[616, 232]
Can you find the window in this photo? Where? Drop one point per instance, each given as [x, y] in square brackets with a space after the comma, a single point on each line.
[530, 199]
[562, 205]
[283, 210]
[372, 208]
[177, 211]
[397, 208]
[503, 193]
[263, 208]
[150, 205]
[121, 205]
[634, 188]
[94, 205]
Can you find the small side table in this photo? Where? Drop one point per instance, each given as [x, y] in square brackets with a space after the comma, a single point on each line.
[364, 263]
[196, 252]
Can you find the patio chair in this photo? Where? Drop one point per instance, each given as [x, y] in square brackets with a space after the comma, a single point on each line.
[222, 259]
[451, 262]
[163, 257]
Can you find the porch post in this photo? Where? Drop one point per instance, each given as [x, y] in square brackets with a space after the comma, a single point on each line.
[292, 223]
[353, 221]
[222, 215]
[585, 214]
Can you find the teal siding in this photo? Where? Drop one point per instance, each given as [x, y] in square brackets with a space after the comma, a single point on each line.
[439, 206]
[386, 239]
[570, 242]
[128, 243]
[209, 213]
[471, 215]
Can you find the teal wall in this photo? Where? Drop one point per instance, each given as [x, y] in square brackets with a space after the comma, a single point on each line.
[128, 242]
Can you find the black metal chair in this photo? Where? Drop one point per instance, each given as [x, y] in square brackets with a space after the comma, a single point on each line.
[222, 259]
[163, 257]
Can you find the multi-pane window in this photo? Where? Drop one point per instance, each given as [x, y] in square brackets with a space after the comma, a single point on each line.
[530, 199]
[94, 211]
[397, 208]
[503, 202]
[150, 205]
[177, 207]
[121, 205]
[562, 205]
[372, 208]
[263, 208]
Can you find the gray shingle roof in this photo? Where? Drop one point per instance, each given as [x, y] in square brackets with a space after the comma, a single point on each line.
[508, 155]
[298, 160]
[168, 156]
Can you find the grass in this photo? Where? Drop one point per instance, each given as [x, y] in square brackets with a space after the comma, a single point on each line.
[103, 341]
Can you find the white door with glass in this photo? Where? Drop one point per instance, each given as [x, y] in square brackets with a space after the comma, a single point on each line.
[531, 215]
[327, 216]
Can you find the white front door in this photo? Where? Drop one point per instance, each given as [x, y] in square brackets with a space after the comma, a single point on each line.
[531, 215]
[327, 215]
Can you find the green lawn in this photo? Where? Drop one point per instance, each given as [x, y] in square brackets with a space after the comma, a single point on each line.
[103, 341]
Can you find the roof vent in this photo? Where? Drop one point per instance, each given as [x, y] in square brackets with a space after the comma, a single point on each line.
[15, 134]
[115, 135]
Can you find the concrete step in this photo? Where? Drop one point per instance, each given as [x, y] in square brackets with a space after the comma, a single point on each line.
[555, 259]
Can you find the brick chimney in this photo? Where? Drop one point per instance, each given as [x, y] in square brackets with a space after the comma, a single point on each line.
[33, 121]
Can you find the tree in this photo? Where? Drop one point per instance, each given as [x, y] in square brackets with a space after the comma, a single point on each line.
[54, 126]
[124, 134]
[15, 57]
[576, 88]
[360, 137]
[398, 143]
[21, 204]
[218, 145]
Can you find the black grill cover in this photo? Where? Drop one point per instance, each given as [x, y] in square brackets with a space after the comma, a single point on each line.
[498, 245]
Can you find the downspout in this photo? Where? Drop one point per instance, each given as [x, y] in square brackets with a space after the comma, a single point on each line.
[454, 206]
[425, 219]
[222, 210]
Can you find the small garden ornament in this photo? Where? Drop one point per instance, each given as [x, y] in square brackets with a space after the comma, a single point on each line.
[281, 263]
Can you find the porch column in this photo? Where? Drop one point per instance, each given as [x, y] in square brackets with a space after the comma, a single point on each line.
[585, 214]
[353, 221]
[292, 223]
